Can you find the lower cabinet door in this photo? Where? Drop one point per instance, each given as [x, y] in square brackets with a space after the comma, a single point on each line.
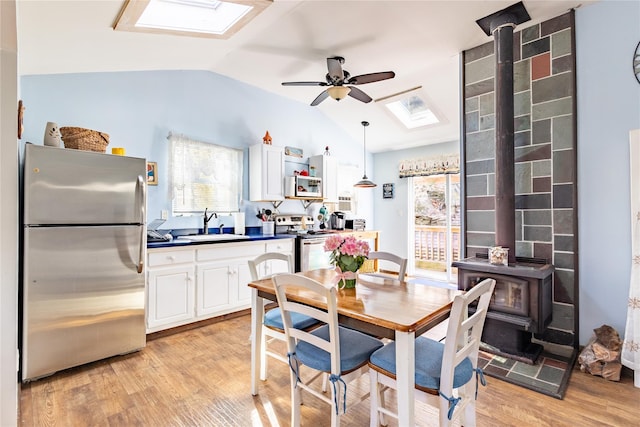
[171, 296]
[215, 281]
[243, 289]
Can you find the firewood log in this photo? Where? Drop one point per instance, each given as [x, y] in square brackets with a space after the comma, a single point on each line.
[611, 371]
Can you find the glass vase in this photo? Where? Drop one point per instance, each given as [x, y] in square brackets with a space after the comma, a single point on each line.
[347, 284]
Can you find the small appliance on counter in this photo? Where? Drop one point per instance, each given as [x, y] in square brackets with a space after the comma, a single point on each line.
[337, 221]
[355, 224]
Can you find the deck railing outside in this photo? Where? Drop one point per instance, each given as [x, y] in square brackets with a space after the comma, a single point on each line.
[431, 246]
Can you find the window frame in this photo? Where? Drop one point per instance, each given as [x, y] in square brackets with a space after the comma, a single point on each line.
[194, 168]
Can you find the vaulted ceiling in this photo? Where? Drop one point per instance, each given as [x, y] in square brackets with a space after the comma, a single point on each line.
[290, 41]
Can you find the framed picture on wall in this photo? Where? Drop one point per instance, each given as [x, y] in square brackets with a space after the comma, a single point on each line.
[387, 191]
[152, 173]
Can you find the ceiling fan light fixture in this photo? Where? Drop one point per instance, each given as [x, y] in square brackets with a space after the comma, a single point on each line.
[339, 92]
[364, 182]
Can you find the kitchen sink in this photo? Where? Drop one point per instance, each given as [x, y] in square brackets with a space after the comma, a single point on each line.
[213, 237]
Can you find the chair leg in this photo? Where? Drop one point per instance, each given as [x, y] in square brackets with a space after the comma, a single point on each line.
[263, 355]
[325, 380]
[336, 399]
[377, 400]
[443, 411]
[381, 404]
[296, 401]
[468, 416]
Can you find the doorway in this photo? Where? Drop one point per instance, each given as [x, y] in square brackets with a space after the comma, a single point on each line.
[435, 203]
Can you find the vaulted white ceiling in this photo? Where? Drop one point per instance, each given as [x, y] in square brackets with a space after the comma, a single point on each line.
[290, 41]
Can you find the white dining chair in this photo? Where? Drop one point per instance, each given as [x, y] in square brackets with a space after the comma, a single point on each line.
[342, 353]
[388, 256]
[446, 374]
[272, 326]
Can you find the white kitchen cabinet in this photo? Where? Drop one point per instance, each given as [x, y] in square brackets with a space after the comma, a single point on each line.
[194, 283]
[214, 293]
[223, 274]
[275, 265]
[266, 172]
[327, 169]
[171, 286]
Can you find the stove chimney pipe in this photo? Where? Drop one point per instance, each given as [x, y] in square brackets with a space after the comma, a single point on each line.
[501, 25]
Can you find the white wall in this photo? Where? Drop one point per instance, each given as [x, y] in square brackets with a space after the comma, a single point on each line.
[608, 108]
[8, 215]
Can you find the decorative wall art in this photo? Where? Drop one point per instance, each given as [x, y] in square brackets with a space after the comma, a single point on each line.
[152, 173]
[387, 191]
[293, 151]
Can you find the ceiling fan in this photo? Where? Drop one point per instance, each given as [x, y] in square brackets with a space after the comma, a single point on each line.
[341, 83]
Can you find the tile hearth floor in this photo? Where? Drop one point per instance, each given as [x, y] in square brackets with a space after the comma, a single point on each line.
[549, 375]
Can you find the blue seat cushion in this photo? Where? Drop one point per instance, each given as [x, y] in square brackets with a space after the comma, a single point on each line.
[355, 349]
[273, 319]
[428, 363]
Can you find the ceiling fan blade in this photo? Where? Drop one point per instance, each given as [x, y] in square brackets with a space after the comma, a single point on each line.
[304, 84]
[334, 65]
[370, 78]
[359, 95]
[320, 98]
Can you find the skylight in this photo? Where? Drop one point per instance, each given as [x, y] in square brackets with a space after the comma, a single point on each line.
[411, 108]
[205, 18]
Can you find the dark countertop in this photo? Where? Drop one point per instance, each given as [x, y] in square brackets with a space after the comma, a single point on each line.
[252, 238]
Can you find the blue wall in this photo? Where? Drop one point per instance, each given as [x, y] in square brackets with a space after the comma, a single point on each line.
[608, 99]
[139, 109]
[608, 108]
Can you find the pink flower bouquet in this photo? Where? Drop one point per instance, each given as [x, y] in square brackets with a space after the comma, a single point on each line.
[347, 254]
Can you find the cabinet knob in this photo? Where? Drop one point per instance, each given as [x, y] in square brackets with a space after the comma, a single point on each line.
[171, 258]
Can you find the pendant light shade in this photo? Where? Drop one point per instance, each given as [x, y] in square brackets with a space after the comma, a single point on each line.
[364, 182]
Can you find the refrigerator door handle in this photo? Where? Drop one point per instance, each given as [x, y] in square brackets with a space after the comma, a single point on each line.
[143, 215]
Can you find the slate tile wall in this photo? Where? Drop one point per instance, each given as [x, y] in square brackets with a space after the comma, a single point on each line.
[545, 157]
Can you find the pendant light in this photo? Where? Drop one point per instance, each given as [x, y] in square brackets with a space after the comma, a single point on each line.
[364, 182]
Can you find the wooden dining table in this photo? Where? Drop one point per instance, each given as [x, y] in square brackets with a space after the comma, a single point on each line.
[382, 306]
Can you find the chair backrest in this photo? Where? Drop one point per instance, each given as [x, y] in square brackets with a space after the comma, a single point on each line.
[464, 331]
[388, 256]
[254, 264]
[327, 294]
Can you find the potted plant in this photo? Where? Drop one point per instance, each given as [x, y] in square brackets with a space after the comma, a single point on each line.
[347, 255]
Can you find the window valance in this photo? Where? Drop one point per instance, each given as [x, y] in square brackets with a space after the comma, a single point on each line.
[429, 166]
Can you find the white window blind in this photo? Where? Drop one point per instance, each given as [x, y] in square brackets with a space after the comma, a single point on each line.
[203, 176]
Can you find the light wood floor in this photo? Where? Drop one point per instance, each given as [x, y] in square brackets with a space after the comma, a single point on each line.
[200, 377]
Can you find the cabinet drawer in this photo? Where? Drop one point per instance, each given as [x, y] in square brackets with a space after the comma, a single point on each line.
[282, 246]
[230, 250]
[170, 258]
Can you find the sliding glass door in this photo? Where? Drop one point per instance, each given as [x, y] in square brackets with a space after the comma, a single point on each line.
[435, 204]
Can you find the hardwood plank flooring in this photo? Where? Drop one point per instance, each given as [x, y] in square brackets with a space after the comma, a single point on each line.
[200, 377]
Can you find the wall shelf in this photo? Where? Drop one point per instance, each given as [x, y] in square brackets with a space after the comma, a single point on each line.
[306, 202]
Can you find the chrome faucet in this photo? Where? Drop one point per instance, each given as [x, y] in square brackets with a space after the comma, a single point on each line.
[220, 229]
[205, 228]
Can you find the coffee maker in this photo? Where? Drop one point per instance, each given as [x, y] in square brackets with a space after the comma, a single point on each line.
[337, 221]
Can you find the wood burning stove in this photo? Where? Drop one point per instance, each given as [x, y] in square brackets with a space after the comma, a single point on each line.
[523, 301]
[521, 305]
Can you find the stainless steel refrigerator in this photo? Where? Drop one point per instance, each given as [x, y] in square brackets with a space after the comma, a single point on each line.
[83, 252]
